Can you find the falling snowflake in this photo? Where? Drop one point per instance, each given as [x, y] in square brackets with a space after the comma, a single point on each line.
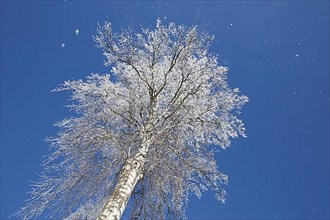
[63, 45]
[77, 32]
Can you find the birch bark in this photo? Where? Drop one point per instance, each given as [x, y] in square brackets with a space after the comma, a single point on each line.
[130, 174]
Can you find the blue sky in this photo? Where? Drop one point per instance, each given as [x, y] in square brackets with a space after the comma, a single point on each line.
[277, 53]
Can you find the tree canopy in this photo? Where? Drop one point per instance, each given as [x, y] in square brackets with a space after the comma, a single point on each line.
[164, 85]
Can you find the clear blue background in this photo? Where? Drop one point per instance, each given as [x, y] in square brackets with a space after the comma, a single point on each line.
[278, 55]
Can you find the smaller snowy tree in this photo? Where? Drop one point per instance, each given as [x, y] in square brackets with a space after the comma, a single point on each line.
[146, 133]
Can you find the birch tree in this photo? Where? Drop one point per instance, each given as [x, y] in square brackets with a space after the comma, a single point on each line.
[145, 134]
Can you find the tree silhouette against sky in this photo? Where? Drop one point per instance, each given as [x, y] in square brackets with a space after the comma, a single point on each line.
[146, 133]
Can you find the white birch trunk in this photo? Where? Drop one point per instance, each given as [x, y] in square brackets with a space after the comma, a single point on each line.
[128, 177]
